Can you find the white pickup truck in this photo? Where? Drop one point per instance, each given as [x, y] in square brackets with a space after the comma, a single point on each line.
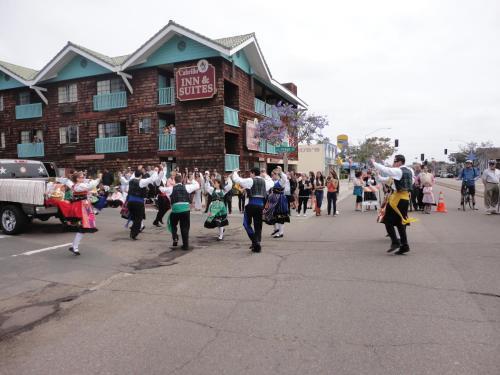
[22, 193]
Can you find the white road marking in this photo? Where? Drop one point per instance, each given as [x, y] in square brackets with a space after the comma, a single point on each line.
[42, 250]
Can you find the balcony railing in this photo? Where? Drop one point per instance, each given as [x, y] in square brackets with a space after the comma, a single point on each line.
[166, 142]
[30, 150]
[262, 146]
[111, 145]
[28, 111]
[231, 117]
[271, 149]
[104, 102]
[232, 162]
[166, 95]
[260, 106]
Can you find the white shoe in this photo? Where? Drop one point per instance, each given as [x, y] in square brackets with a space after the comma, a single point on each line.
[304, 215]
[337, 213]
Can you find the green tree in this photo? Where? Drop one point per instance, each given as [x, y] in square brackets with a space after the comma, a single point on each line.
[379, 148]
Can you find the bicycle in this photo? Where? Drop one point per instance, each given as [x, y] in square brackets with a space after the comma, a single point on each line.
[466, 197]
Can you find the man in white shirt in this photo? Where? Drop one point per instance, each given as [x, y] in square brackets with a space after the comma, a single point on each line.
[491, 179]
[179, 198]
[396, 214]
[258, 187]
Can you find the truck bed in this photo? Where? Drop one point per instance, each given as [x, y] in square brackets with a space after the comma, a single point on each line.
[22, 191]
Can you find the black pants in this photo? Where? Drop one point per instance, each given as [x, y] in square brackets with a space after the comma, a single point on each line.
[332, 202]
[302, 203]
[253, 215]
[392, 220]
[184, 221]
[241, 202]
[209, 200]
[228, 201]
[137, 213]
[162, 209]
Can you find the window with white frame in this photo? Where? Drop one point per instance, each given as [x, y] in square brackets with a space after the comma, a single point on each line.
[68, 93]
[1, 102]
[31, 136]
[145, 125]
[112, 129]
[110, 85]
[2, 140]
[24, 98]
[69, 134]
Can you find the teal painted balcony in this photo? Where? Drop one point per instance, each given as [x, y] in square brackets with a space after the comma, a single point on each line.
[232, 162]
[28, 111]
[105, 102]
[262, 146]
[231, 117]
[30, 150]
[166, 142]
[271, 111]
[111, 145]
[271, 149]
[260, 106]
[166, 95]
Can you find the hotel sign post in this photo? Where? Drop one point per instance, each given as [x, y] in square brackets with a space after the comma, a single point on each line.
[195, 82]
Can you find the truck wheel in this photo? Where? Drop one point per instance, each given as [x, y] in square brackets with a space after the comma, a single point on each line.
[12, 219]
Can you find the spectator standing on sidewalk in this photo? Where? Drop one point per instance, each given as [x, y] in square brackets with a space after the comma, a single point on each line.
[491, 179]
[332, 184]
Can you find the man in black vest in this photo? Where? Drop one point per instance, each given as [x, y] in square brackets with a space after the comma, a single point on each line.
[258, 187]
[396, 214]
[179, 198]
[137, 191]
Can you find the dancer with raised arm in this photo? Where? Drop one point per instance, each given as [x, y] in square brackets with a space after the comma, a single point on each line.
[257, 187]
[396, 212]
[276, 209]
[217, 211]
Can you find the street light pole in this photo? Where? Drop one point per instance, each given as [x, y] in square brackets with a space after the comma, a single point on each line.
[376, 130]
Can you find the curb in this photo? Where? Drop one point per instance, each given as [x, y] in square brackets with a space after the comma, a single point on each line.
[457, 188]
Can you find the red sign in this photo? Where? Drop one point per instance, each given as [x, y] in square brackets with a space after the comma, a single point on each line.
[195, 82]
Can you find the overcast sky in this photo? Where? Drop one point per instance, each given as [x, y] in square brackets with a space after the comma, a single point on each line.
[427, 69]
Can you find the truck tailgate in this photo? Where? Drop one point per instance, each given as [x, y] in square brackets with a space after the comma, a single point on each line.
[22, 191]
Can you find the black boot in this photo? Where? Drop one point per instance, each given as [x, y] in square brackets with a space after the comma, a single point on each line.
[402, 250]
[394, 246]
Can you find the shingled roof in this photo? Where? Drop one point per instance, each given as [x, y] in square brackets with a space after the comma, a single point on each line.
[19, 71]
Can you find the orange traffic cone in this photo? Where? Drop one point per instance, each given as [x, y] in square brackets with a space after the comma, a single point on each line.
[441, 207]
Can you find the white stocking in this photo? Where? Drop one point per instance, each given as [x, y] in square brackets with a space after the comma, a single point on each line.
[221, 232]
[77, 240]
[282, 229]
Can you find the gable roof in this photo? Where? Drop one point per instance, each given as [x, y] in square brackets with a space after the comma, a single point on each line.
[234, 41]
[18, 72]
[226, 46]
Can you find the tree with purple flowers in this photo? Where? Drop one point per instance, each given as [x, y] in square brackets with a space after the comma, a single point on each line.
[290, 123]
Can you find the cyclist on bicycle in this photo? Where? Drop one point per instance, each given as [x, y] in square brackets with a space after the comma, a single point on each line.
[469, 175]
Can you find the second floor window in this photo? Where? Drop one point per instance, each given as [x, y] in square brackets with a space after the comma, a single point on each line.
[110, 85]
[1, 103]
[68, 93]
[2, 140]
[68, 134]
[31, 136]
[24, 98]
[112, 129]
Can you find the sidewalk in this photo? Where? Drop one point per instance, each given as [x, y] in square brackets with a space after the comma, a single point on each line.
[457, 185]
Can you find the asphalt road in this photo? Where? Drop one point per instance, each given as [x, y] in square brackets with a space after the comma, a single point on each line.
[326, 299]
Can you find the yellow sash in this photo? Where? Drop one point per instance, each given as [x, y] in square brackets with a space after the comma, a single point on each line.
[394, 199]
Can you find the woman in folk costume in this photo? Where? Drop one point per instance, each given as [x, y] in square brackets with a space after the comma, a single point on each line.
[82, 216]
[276, 209]
[217, 211]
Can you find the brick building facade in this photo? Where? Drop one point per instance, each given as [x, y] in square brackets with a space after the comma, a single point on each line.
[85, 110]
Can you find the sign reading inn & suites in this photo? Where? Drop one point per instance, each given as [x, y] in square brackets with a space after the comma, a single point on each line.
[195, 82]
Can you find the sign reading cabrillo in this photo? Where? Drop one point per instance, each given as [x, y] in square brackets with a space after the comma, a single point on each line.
[195, 82]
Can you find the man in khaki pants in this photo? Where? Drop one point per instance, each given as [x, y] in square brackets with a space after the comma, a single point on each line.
[491, 179]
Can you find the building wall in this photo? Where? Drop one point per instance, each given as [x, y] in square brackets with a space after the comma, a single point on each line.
[201, 132]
